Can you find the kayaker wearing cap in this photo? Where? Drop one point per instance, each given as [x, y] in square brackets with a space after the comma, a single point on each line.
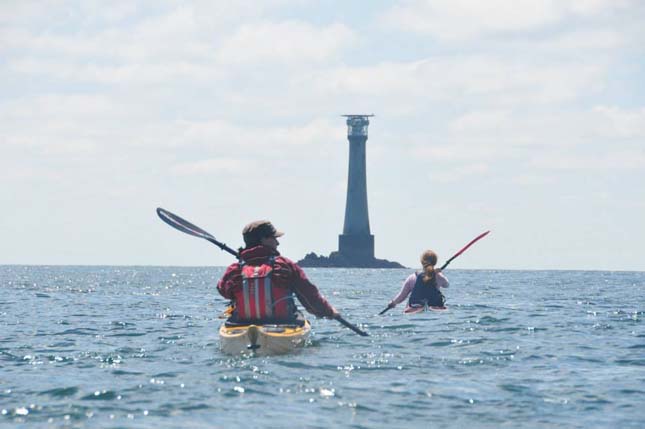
[423, 287]
[261, 286]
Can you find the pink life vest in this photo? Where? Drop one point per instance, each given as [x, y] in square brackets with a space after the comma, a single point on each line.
[258, 299]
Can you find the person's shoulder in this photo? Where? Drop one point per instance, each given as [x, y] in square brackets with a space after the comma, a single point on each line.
[412, 277]
[231, 268]
[442, 279]
[285, 260]
[284, 265]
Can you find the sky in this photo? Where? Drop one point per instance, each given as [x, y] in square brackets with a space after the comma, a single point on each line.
[523, 117]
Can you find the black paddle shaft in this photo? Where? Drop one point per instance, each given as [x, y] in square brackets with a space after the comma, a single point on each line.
[351, 326]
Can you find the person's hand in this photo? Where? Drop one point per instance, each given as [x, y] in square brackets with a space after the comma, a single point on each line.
[334, 314]
[391, 305]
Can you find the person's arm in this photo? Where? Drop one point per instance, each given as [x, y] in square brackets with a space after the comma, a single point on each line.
[309, 295]
[408, 284]
[227, 282]
[442, 281]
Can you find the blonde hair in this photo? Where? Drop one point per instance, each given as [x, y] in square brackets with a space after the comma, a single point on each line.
[428, 261]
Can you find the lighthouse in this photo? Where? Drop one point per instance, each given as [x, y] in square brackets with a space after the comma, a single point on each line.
[356, 243]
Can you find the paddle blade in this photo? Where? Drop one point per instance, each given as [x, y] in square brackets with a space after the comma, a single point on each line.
[473, 241]
[182, 224]
[463, 249]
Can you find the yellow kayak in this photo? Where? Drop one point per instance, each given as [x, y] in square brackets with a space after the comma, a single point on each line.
[263, 339]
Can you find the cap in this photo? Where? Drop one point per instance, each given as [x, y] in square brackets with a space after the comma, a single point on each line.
[254, 232]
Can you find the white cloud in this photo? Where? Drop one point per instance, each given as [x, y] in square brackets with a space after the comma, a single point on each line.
[460, 20]
[210, 166]
[592, 7]
[170, 36]
[289, 41]
[532, 179]
[620, 122]
[465, 19]
[265, 142]
[58, 106]
[57, 124]
[25, 173]
[79, 124]
[135, 73]
[498, 81]
[458, 151]
[177, 45]
[602, 138]
[459, 173]
[601, 41]
[481, 121]
[609, 160]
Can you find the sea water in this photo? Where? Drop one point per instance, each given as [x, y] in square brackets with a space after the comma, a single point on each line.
[137, 347]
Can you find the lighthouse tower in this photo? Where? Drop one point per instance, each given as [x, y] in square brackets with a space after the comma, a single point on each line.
[356, 243]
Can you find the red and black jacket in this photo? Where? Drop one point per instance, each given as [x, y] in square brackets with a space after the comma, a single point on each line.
[262, 266]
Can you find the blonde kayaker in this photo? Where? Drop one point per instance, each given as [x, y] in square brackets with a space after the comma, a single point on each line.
[262, 285]
[423, 287]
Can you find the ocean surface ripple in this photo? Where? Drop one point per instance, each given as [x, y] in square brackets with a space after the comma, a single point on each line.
[137, 347]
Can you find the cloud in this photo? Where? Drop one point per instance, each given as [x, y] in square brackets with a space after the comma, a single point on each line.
[457, 151]
[59, 124]
[462, 20]
[481, 121]
[211, 166]
[459, 173]
[288, 41]
[26, 174]
[467, 19]
[601, 41]
[593, 7]
[532, 179]
[170, 35]
[620, 122]
[176, 45]
[610, 160]
[134, 73]
[84, 124]
[601, 138]
[482, 78]
[261, 141]
[58, 106]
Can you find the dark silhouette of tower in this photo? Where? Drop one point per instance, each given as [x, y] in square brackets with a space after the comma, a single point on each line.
[356, 243]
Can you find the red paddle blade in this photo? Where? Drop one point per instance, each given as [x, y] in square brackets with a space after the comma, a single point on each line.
[480, 236]
[473, 241]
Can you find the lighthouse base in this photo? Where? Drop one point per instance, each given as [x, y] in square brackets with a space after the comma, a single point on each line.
[356, 247]
[354, 251]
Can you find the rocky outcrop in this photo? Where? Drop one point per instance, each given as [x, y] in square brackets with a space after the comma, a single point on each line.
[337, 260]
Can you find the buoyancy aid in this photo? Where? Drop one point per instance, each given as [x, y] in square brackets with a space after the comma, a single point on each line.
[426, 293]
[259, 299]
